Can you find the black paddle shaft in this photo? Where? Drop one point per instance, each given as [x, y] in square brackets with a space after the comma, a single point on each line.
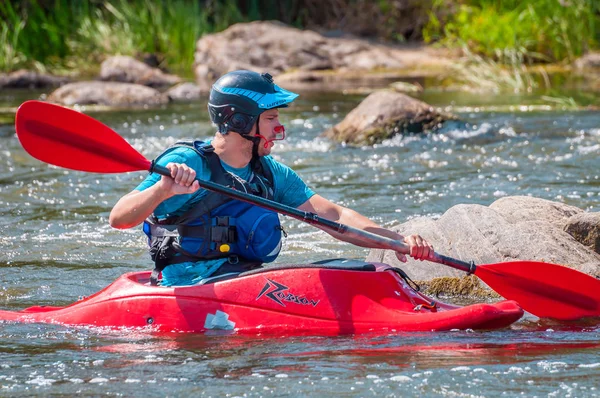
[375, 241]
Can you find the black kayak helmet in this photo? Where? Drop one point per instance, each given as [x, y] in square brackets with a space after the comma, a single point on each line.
[238, 98]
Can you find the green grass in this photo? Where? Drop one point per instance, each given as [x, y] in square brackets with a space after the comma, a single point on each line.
[66, 34]
[506, 71]
[168, 29]
[10, 57]
[565, 103]
[556, 30]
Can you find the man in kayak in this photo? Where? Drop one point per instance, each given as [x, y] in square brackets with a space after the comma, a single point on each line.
[194, 233]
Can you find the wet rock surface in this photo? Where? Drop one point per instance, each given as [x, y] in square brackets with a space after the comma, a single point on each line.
[186, 92]
[384, 114]
[30, 80]
[307, 56]
[126, 69]
[590, 61]
[107, 93]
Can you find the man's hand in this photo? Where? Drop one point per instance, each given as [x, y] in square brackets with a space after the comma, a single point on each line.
[420, 249]
[182, 180]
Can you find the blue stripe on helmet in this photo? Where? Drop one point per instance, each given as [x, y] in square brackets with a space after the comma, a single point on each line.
[265, 101]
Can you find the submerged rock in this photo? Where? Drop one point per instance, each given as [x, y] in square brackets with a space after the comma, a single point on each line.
[30, 79]
[512, 228]
[309, 56]
[126, 69]
[384, 114]
[107, 93]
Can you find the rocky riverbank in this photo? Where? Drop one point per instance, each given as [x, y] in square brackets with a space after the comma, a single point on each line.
[300, 60]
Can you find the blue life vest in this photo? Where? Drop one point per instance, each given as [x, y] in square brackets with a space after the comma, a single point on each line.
[218, 226]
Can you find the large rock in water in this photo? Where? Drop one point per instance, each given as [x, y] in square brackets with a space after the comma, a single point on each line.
[512, 228]
[277, 48]
[126, 69]
[382, 115]
[107, 93]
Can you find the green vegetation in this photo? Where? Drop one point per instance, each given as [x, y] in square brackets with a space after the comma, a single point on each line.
[63, 35]
[562, 102]
[67, 34]
[553, 30]
[7, 118]
[506, 71]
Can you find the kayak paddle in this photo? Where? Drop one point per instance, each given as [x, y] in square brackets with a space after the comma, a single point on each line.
[67, 138]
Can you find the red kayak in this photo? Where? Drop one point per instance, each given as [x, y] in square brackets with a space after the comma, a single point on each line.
[338, 297]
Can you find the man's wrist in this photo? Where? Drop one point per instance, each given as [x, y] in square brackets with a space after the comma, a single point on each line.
[161, 192]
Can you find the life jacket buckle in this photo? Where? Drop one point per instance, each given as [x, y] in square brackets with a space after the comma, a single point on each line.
[226, 234]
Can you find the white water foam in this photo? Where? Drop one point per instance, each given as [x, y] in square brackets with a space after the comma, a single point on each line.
[590, 365]
[551, 367]
[401, 379]
[482, 129]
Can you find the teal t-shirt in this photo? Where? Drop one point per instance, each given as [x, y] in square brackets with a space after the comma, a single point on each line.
[288, 187]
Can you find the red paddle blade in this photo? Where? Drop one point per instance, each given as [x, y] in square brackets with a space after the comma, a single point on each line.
[543, 289]
[66, 138]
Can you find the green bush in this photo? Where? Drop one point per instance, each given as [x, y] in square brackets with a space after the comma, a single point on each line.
[554, 30]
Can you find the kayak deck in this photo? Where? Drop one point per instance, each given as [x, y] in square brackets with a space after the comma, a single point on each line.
[325, 299]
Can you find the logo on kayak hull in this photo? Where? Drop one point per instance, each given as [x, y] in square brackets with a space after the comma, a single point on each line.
[218, 321]
[280, 294]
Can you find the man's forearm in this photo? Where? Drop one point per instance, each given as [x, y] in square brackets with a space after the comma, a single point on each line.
[354, 219]
[133, 208]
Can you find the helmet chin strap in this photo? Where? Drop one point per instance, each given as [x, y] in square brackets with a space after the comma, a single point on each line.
[255, 140]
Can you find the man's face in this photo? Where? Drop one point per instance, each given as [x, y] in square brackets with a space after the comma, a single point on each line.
[269, 128]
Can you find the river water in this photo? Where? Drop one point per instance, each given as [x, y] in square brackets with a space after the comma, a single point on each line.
[56, 246]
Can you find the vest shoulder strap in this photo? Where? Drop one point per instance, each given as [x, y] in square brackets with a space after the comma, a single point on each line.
[261, 167]
[207, 152]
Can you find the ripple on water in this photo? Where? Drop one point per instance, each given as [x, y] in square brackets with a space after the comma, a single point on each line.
[58, 246]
